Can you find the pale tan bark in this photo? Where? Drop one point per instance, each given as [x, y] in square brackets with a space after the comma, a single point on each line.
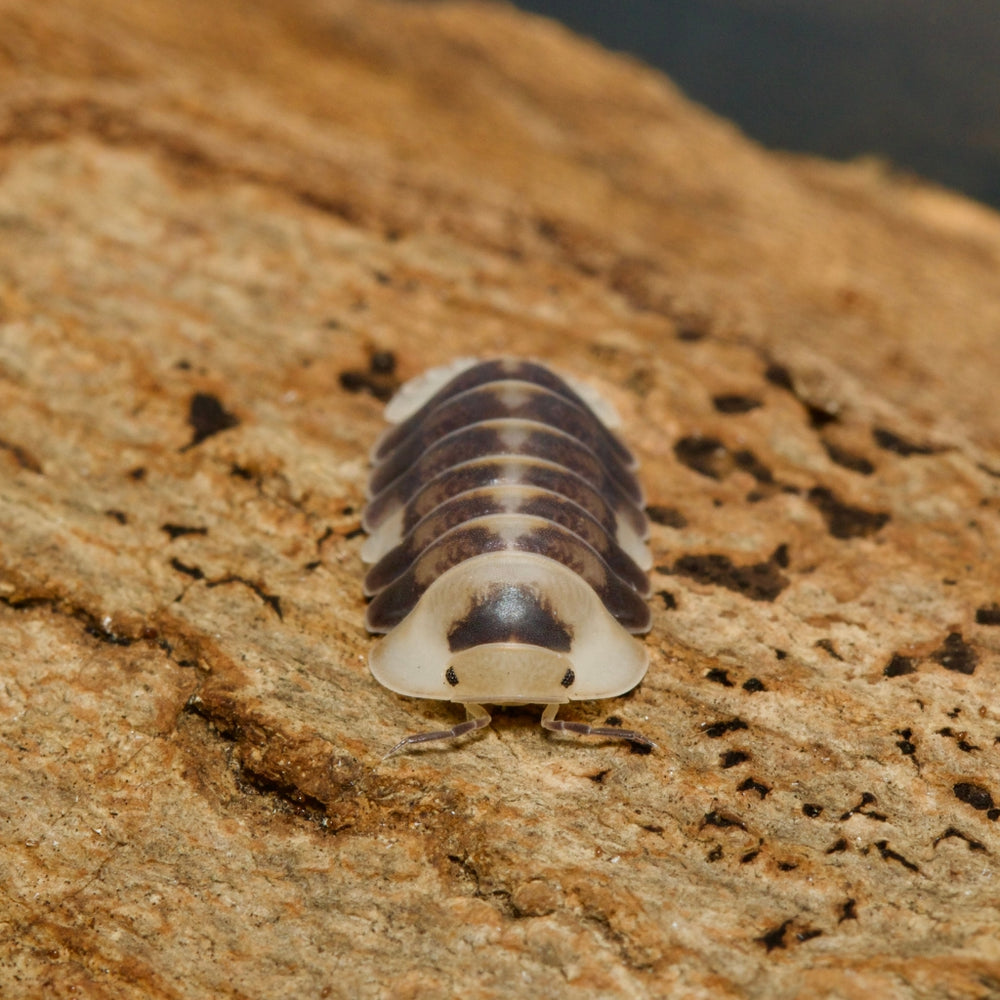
[214, 222]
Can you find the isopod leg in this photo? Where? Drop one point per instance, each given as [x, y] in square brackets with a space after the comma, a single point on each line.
[478, 718]
[550, 722]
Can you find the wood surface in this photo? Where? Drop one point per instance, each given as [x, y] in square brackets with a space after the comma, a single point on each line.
[227, 232]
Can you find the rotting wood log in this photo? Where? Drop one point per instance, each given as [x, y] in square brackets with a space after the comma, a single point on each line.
[226, 233]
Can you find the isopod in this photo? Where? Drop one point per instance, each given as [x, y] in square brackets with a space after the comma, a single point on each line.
[507, 543]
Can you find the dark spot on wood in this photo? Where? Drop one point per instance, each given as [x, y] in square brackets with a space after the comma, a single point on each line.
[353, 533]
[732, 758]
[988, 615]
[808, 933]
[705, 455]
[669, 601]
[379, 380]
[828, 647]
[598, 776]
[138, 474]
[774, 938]
[382, 278]
[240, 472]
[315, 564]
[867, 799]
[105, 634]
[956, 654]
[848, 911]
[849, 459]
[719, 677]
[749, 856]
[898, 666]
[838, 846]
[119, 515]
[356, 381]
[973, 845]
[889, 441]
[179, 530]
[734, 403]
[780, 556]
[819, 416]
[22, 457]
[192, 571]
[548, 229]
[722, 820]
[973, 795]
[843, 520]
[907, 748]
[762, 581]
[753, 684]
[206, 417]
[780, 376]
[715, 854]
[669, 517]
[383, 362]
[890, 855]
[749, 462]
[271, 600]
[780, 654]
[960, 740]
[714, 730]
[812, 810]
[750, 785]
[691, 334]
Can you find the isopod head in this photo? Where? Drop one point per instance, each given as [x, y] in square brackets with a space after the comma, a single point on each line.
[509, 628]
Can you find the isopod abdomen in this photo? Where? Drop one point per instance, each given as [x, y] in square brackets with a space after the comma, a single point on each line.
[507, 542]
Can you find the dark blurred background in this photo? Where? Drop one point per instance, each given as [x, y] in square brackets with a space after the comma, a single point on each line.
[916, 82]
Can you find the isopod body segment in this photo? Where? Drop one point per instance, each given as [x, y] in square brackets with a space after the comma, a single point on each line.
[507, 546]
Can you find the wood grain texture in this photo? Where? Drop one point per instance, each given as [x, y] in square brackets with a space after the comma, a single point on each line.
[224, 238]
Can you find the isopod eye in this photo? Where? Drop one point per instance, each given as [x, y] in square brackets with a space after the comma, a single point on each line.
[451, 677]
[568, 678]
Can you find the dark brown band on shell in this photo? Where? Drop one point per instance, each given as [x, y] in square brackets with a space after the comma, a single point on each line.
[505, 458]
[532, 502]
[509, 398]
[395, 601]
